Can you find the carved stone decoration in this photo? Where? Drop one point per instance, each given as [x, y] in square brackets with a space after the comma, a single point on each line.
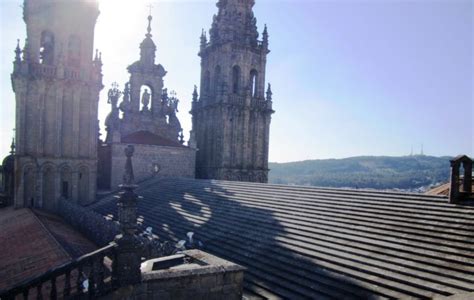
[153, 110]
[232, 113]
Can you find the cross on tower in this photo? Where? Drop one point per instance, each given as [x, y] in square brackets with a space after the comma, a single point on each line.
[150, 6]
[149, 21]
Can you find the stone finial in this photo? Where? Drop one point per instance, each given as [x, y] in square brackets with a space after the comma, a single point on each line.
[148, 29]
[17, 51]
[195, 94]
[126, 268]
[26, 51]
[128, 177]
[265, 36]
[203, 39]
[269, 92]
[12, 146]
[113, 95]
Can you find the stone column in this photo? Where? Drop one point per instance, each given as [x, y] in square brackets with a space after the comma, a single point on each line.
[126, 268]
[76, 99]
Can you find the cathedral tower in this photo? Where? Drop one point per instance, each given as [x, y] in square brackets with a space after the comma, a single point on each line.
[57, 84]
[231, 118]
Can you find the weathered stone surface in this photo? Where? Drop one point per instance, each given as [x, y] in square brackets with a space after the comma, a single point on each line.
[149, 122]
[171, 162]
[57, 85]
[203, 279]
[231, 118]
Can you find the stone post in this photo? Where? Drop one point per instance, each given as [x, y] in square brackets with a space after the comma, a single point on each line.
[126, 269]
[454, 188]
[467, 183]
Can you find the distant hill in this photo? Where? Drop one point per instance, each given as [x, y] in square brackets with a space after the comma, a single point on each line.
[411, 173]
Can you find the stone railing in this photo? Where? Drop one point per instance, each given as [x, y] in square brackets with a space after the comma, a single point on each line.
[43, 70]
[72, 74]
[87, 221]
[236, 100]
[48, 71]
[85, 277]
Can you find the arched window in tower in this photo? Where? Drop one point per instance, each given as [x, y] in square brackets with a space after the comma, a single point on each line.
[66, 182]
[207, 82]
[83, 184]
[235, 79]
[146, 94]
[74, 51]
[47, 48]
[29, 187]
[217, 79]
[253, 83]
[48, 196]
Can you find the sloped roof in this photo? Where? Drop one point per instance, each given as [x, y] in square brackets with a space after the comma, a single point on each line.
[443, 190]
[304, 242]
[28, 248]
[148, 138]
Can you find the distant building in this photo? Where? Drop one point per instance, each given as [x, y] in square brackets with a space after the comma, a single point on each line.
[56, 83]
[231, 118]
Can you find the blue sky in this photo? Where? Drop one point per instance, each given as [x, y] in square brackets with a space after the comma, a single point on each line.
[349, 77]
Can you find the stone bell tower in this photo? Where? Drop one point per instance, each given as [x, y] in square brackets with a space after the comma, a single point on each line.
[231, 118]
[57, 84]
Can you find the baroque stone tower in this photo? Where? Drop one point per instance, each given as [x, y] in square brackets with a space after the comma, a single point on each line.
[148, 121]
[146, 105]
[57, 84]
[231, 118]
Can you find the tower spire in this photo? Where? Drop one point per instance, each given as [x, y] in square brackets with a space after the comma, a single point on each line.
[233, 50]
[234, 22]
[265, 38]
[148, 47]
[203, 39]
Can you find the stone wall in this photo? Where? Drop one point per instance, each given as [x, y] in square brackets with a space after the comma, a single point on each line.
[172, 162]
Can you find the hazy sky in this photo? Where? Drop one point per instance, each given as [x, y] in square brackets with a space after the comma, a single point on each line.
[349, 77]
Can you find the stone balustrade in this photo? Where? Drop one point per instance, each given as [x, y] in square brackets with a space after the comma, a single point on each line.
[87, 276]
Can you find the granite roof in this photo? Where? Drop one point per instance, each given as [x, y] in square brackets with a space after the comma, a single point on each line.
[305, 242]
[442, 190]
[31, 244]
